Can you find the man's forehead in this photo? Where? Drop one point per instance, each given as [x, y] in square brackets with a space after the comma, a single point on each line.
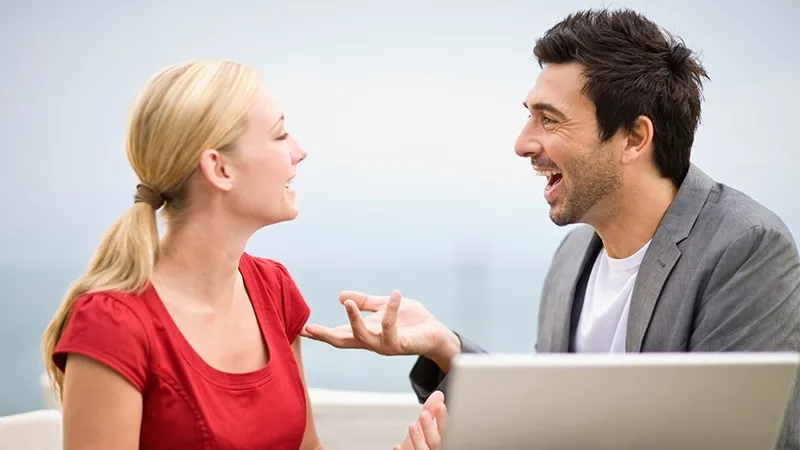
[560, 85]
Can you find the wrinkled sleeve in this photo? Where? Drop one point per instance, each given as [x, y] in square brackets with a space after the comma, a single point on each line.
[105, 329]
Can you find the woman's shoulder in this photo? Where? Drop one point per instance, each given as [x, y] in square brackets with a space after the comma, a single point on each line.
[283, 291]
[110, 327]
[132, 302]
[129, 310]
[266, 267]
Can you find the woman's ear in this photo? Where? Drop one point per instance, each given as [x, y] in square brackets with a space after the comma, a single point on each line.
[216, 169]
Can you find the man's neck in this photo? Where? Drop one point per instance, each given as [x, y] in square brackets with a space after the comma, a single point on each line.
[636, 214]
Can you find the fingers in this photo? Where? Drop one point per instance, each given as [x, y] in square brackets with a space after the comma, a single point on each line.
[363, 301]
[423, 434]
[389, 321]
[430, 433]
[358, 335]
[436, 407]
[417, 437]
[360, 331]
[427, 432]
[436, 398]
[440, 414]
[337, 337]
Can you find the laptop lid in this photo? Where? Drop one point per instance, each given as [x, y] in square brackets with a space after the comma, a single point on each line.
[619, 401]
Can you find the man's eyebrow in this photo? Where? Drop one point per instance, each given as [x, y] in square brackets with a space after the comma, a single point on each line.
[278, 122]
[547, 107]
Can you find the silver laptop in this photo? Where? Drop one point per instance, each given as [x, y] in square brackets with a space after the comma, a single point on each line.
[705, 401]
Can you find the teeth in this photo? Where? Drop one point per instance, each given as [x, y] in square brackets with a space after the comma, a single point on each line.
[547, 173]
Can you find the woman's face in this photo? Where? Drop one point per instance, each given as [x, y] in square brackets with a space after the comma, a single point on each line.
[256, 175]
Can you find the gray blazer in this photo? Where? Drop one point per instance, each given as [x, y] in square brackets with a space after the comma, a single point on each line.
[722, 273]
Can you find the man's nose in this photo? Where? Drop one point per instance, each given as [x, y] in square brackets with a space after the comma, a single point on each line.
[527, 144]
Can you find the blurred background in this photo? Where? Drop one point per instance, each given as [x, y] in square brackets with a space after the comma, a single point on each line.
[408, 110]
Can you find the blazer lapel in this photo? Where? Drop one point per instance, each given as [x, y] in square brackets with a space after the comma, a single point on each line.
[570, 301]
[658, 262]
[560, 342]
[663, 253]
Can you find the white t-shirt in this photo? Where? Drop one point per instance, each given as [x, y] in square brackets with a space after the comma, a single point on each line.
[604, 318]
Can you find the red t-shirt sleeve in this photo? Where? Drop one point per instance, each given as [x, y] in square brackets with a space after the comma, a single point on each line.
[107, 330]
[295, 310]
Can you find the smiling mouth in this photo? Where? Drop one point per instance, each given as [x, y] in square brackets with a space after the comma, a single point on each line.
[288, 184]
[553, 177]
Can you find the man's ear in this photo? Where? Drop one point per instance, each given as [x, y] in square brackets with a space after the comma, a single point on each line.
[216, 169]
[638, 140]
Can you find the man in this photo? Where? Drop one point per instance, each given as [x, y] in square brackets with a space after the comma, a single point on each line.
[668, 260]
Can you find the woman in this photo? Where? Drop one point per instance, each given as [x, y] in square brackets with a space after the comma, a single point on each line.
[188, 342]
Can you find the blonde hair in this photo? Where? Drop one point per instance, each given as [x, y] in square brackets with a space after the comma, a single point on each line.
[182, 110]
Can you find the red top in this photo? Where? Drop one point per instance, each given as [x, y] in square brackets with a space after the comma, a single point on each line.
[187, 404]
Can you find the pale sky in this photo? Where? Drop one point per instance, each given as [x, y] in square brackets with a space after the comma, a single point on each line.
[408, 111]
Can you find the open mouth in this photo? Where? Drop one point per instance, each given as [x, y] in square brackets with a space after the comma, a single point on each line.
[288, 184]
[553, 177]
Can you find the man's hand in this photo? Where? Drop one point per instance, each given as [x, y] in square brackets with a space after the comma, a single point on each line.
[396, 326]
[426, 433]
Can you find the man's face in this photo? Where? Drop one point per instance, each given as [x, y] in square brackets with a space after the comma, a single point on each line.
[562, 140]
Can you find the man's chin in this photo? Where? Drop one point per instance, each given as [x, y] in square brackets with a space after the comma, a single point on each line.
[558, 217]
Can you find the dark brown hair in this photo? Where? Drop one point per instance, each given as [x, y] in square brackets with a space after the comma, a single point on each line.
[633, 68]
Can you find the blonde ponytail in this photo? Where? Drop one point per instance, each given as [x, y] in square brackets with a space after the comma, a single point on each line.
[183, 110]
[123, 262]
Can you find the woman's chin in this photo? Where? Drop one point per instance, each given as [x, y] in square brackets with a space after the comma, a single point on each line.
[288, 213]
[291, 211]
